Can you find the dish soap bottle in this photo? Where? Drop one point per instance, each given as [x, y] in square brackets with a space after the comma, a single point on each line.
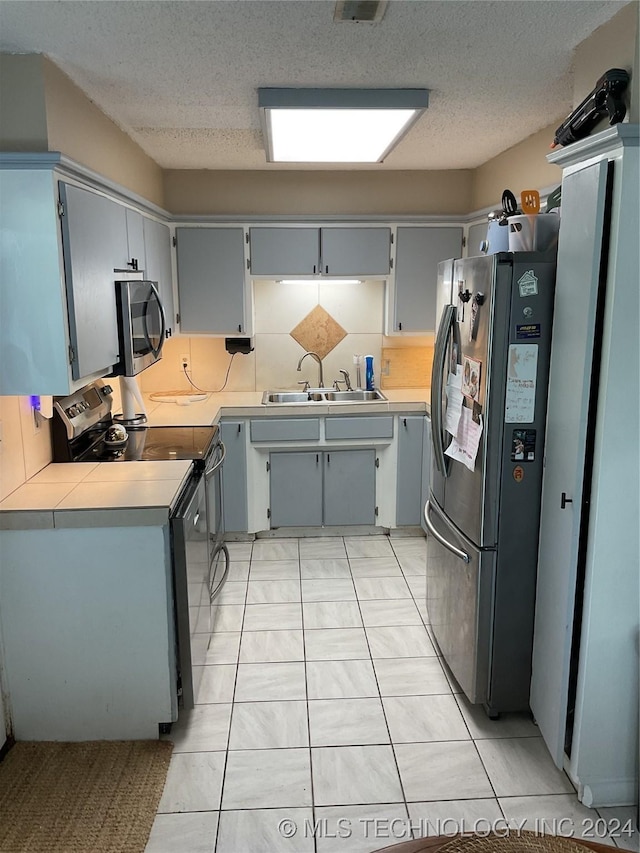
[369, 372]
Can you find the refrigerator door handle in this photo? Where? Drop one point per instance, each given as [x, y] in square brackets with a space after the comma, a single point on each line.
[440, 354]
[457, 551]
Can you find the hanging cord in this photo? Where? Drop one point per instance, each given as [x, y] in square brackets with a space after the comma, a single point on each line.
[226, 378]
[159, 394]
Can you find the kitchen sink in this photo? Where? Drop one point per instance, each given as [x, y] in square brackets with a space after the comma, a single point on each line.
[321, 395]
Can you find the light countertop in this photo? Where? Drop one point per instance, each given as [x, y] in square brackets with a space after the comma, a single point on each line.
[53, 497]
[79, 494]
[249, 404]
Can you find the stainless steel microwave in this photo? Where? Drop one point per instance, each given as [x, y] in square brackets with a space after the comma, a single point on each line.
[141, 325]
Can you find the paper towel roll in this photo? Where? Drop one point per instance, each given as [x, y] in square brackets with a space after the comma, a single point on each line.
[132, 401]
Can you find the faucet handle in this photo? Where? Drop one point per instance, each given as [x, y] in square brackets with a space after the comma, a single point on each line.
[305, 383]
[347, 380]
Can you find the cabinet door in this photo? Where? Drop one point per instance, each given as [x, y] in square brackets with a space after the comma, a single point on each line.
[234, 476]
[94, 237]
[409, 484]
[211, 279]
[419, 250]
[285, 251]
[136, 255]
[475, 238]
[349, 487]
[157, 241]
[296, 489]
[356, 251]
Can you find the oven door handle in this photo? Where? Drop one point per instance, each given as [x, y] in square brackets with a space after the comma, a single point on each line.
[219, 462]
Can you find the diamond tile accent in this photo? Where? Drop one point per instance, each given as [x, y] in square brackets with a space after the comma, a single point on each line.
[318, 332]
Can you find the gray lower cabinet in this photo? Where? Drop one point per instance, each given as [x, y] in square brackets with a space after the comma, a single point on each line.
[211, 279]
[310, 489]
[419, 250]
[296, 494]
[234, 476]
[410, 470]
[94, 240]
[157, 241]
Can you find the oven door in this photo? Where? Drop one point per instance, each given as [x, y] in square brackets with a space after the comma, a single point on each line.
[142, 325]
[219, 566]
[191, 561]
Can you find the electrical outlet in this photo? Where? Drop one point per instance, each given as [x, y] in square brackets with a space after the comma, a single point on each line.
[186, 365]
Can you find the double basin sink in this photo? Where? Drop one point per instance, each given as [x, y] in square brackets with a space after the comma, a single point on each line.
[321, 395]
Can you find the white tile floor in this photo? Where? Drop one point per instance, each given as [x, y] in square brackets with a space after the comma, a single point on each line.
[322, 705]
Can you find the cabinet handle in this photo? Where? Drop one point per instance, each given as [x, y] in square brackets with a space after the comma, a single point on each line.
[239, 428]
[317, 458]
[314, 269]
[239, 327]
[326, 269]
[399, 327]
[328, 459]
[564, 500]
[404, 421]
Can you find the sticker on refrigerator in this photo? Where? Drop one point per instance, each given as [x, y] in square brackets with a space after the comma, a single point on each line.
[518, 473]
[520, 403]
[526, 331]
[471, 375]
[464, 447]
[528, 284]
[523, 445]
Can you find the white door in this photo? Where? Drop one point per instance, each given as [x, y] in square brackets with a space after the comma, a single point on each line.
[579, 253]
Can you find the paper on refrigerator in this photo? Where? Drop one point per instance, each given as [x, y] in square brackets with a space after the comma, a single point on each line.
[464, 447]
[454, 400]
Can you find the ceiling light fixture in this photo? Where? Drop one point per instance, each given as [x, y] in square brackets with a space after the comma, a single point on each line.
[337, 125]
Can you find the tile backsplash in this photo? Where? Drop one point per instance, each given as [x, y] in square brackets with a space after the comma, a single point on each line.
[24, 449]
[279, 308]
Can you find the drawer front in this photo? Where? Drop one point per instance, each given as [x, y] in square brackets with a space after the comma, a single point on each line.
[380, 427]
[285, 429]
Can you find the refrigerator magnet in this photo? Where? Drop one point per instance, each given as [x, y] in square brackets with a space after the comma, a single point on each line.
[471, 377]
[518, 473]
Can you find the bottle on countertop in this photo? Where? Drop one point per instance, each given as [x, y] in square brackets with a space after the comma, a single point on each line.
[369, 372]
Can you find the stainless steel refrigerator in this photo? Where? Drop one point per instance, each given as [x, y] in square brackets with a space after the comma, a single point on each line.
[488, 409]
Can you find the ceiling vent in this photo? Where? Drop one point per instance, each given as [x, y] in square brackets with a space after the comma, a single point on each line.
[360, 11]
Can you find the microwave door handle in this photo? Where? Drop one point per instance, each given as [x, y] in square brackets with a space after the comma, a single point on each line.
[156, 351]
[437, 374]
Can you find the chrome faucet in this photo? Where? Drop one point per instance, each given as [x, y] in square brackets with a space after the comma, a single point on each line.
[346, 379]
[319, 360]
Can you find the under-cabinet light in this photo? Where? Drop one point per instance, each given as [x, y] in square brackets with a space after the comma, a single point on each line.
[337, 125]
[316, 280]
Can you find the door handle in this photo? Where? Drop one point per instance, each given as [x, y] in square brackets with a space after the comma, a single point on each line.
[457, 551]
[564, 500]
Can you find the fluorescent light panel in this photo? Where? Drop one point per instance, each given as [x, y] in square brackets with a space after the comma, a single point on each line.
[337, 125]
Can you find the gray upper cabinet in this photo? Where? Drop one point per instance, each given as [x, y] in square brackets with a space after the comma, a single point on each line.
[476, 236]
[136, 255]
[356, 251]
[339, 251]
[157, 241]
[211, 279]
[94, 236]
[419, 250]
[284, 251]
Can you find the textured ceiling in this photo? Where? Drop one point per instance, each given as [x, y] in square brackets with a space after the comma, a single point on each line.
[181, 78]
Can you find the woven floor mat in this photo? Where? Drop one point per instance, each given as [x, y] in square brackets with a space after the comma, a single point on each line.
[78, 797]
